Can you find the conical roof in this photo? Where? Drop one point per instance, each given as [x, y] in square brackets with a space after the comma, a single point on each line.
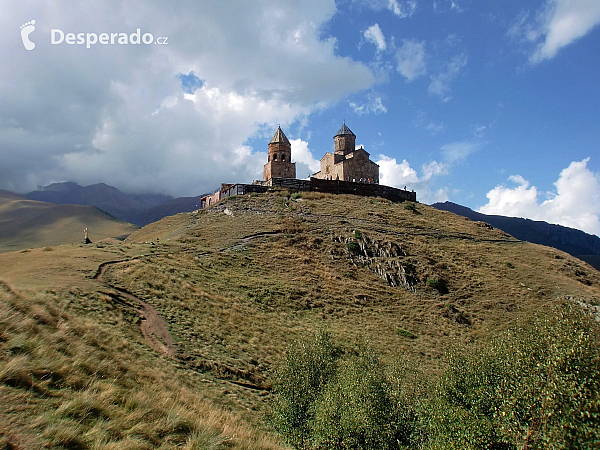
[344, 131]
[279, 137]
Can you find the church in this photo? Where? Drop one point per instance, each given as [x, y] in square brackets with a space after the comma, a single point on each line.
[346, 163]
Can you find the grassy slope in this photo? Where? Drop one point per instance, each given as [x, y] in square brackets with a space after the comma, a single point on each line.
[233, 304]
[29, 223]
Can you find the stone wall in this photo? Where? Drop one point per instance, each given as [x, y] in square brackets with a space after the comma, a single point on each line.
[364, 189]
[314, 184]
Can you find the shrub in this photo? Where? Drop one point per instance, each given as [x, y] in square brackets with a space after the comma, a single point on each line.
[356, 410]
[409, 206]
[357, 234]
[405, 333]
[296, 195]
[323, 401]
[536, 386]
[439, 284]
[299, 381]
[354, 247]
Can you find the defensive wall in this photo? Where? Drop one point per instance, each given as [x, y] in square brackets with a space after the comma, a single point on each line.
[314, 185]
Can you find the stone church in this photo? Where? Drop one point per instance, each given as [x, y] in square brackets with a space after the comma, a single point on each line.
[346, 163]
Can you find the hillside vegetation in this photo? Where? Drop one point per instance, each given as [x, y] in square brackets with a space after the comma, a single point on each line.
[234, 286]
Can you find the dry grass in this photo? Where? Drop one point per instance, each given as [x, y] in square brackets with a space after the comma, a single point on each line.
[29, 223]
[69, 381]
[235, 287]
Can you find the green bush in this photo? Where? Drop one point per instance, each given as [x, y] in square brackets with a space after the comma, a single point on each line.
[409, 206]
[296, 195]
[354, 247]
[358, 234]
[534, 387]
[356, 410]
[439, 284]
[299, 381]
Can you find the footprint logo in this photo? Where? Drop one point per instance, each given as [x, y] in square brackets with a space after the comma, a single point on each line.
[26, 30]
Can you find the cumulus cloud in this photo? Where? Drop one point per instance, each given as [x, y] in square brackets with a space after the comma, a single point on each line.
[410, 59]
[440, 82]
[557, 24]
[374, 35]
[305, 162]
[124, 115]
[575, 202]
[399, 175]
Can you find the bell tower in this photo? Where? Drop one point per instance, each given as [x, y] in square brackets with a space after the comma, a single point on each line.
[345, 140]
[280, 163]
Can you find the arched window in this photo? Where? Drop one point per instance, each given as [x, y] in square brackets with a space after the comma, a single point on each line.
[283, 157]
[274, 156]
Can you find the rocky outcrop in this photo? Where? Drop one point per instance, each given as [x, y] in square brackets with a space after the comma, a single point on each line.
[386, 259]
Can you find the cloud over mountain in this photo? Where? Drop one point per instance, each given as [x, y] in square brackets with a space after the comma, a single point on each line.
[119, 113]
[575, 203]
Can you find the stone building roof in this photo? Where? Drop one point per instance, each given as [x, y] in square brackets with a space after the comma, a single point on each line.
[344, 131]
[279, 137]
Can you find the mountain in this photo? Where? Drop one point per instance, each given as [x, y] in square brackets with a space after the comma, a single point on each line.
[139, 209]
[169, 208]
[28, 223]
[575, 242]
[171, 337]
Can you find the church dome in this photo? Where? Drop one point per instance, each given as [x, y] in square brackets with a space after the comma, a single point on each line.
[344, 131]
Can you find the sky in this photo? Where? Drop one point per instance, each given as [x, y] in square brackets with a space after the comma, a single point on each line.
[492, 105]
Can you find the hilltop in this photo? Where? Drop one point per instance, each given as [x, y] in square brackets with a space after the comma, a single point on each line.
[221, 292]
[27, 223]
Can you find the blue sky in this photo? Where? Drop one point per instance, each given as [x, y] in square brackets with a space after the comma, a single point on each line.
[493, 105]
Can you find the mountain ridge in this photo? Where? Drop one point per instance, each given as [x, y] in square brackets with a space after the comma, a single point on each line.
[139, 209]
[570, 240]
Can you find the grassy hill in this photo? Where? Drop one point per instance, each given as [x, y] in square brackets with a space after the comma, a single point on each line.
[86, 358]
[29, 223]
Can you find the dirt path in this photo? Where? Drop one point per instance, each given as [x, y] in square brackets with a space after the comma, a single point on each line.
[152, 325]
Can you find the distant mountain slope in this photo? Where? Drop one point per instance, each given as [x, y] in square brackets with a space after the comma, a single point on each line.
[29, 223]
[575, 242]
[139, 209]
[169, 208]
[7, 195]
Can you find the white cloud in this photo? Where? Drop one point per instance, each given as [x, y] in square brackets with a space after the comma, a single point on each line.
[478, 130]
[440, 82]
[118, 114]
[401, 9]
[575, 203]
[458, 151]
[435, 128]
[557, 24]
[374, 35]
[411, 59]
[304, 159]
[399, 175]
[441, 6]
[373, 105]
